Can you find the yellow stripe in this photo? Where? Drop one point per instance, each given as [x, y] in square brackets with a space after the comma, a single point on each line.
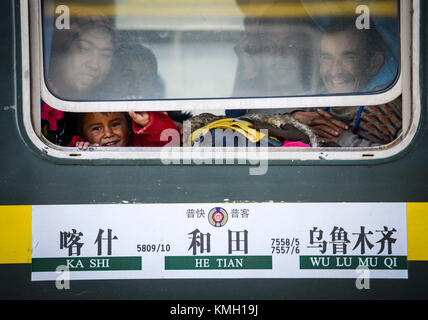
[417, 230]
[228, 8]
[15, 234]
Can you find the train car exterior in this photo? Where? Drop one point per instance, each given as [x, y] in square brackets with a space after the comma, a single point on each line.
[37, 185]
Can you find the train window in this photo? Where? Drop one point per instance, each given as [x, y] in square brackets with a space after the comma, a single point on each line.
[332, 71]
[166, 50]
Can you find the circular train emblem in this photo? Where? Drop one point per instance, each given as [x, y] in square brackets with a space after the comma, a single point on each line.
[217, 217]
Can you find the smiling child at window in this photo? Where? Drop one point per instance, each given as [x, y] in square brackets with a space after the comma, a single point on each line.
[120, 129]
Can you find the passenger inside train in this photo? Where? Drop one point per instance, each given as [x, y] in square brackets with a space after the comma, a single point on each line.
[80, 61]
[349, 60]
[134, 73]
[120, 129]
[275, 56]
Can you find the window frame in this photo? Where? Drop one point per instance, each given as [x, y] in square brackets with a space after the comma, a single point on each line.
[34, 89]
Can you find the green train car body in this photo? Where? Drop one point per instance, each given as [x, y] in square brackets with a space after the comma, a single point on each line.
[30, 177]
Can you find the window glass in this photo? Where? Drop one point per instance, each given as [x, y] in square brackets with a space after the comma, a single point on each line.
[167, 49]
[114, 50]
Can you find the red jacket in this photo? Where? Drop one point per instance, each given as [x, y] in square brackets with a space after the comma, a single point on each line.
[147, 136]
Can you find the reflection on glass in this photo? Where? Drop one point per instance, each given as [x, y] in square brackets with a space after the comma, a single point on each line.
[164, 49]
[78, 54]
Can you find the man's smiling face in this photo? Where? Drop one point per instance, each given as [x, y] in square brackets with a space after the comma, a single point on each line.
[344, 62]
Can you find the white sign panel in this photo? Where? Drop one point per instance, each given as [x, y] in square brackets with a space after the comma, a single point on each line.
[228, 240]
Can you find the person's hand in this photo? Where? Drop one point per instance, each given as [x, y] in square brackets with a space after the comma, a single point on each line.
[327, 127]
[141, 118]
[84, 145]
[326, 132]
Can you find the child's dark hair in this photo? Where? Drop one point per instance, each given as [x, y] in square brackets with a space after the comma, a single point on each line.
[127, 51]
[80, 23]
[179, 116]
[373, 40]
